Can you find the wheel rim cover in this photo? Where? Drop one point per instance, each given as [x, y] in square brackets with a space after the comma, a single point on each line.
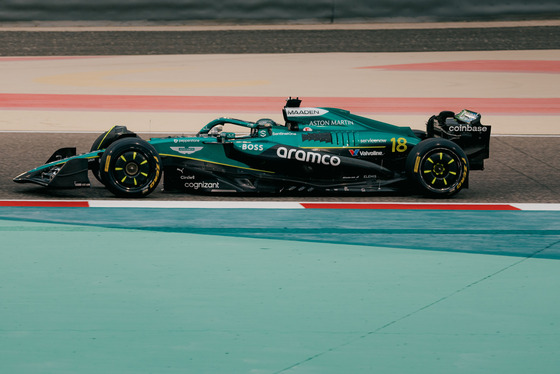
[131, 170]
[440, 170]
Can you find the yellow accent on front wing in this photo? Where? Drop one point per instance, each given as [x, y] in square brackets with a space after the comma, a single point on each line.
[216, 163]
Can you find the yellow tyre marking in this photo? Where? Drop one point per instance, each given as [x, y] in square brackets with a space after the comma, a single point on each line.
[107, 162]
[416, 164]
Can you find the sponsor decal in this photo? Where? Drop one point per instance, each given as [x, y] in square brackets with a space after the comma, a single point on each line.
[107, 162]
[287, 133]
[464, 176]
[372, 140]
[186, 151]
[307, 129]
[358, 152]
[156, 177]
[185, 141]
[468, 128]
[252, 147]
[263, 133]
[190, 181]
[307, 156]
[339, 122]
[305, 112]
[203, 184]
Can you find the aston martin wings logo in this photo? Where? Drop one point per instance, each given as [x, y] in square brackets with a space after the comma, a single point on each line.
[186, 150]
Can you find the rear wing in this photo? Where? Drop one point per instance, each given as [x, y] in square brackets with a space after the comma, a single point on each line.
[466, 130]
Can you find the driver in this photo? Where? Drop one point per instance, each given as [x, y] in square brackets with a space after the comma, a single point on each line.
[216, 130]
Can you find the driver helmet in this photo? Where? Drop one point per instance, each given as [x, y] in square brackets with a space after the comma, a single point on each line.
[216, 130]
[265, 122]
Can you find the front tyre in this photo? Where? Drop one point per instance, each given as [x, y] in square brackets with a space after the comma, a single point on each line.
[130, 167]
[103, 141]
[438, 167]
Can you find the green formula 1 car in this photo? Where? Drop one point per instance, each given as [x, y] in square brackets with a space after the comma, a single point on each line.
[316, 151]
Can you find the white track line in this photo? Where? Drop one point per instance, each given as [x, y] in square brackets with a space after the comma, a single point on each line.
[166, 204]
[195, 204]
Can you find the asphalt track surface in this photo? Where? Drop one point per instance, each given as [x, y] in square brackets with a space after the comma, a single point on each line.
[91, 43]
[520, 169]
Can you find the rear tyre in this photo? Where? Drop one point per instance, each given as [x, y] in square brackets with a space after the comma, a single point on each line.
[130, 167]
[438, 167]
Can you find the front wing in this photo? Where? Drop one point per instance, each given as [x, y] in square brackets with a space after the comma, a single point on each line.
[63, 170]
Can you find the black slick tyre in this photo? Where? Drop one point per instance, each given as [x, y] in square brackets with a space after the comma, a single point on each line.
[130, 167]
[103, 141]
[438, 167]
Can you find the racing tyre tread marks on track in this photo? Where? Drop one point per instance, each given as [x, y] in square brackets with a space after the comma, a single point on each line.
[438, 167]
[130, 167]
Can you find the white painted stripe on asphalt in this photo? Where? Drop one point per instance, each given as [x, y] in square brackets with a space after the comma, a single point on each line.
[168, 204]
[253, 204]
[195, 204]
[537, 207]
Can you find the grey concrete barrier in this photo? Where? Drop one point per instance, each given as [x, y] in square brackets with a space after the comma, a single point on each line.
[327, 11]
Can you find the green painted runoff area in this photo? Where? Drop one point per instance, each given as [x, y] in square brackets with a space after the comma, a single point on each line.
[88, 299]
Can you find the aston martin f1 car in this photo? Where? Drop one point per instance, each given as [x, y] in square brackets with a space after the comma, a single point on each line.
[315, 151]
